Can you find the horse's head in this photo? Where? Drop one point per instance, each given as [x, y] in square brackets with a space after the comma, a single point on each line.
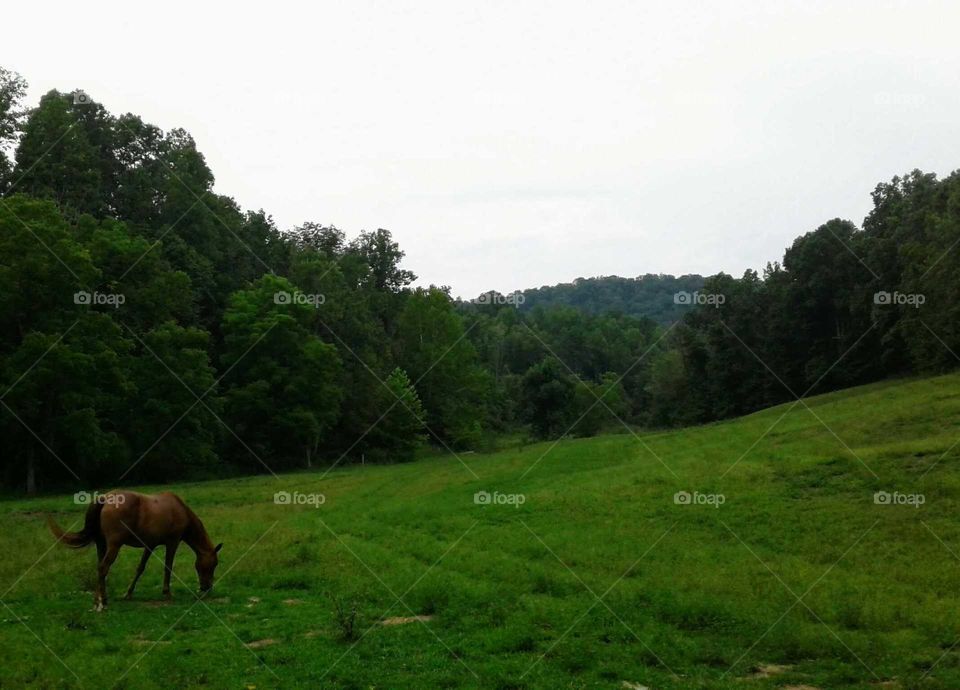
[206, 563]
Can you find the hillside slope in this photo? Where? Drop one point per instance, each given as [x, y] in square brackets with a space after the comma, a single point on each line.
[583, 570]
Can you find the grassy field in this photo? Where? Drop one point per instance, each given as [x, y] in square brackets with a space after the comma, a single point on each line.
[583, 571]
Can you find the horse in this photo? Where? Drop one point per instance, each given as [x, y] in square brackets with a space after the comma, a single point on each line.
[127, 518]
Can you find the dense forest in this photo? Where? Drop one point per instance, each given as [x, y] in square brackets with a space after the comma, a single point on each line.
[647, 295]
[153, 329]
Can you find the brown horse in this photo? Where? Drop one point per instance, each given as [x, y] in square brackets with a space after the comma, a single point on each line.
[126, 518]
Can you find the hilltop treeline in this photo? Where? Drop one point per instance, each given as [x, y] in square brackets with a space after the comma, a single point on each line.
[152, 329]
[649, 295]
[845, 306]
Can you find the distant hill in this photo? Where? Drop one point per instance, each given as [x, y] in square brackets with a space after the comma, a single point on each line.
[647, 295]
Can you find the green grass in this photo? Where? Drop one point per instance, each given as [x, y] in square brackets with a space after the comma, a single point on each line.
[694, 596]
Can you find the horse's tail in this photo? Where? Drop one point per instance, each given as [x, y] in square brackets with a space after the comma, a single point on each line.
[86, 536]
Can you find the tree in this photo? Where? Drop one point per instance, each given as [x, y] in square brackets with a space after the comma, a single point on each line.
[432, 346]
[64, 154]
[42, 268]
[153, 291]
[283, 384]
[596, 404]
[170, 432]
[325, 239]
[668, 389]
[382, 255]
[65, 395]
[13, 88]
[548, 399]
[400, 432]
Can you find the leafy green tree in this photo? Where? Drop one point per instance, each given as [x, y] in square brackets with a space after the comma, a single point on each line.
[912, 235]
[548, 399]
[826, 273]
[42, 268]
[325, 239]
[345, 316]
[13, 88]
[400, 432]
[59, 155]
[129, 265]
[432, 346]
[283, 384]
[668, 389]
[383, 256]
[64, 395]
[171, 433]
[599, 404]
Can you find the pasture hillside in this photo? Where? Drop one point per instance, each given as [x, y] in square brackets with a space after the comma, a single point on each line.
[814, 544]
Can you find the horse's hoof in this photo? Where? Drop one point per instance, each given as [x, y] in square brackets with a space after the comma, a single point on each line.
[99, 606]
[167, 596]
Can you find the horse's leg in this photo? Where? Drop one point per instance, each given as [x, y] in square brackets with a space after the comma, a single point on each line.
[171, 553]
[140, 568]
[102, 570]
[101, 552]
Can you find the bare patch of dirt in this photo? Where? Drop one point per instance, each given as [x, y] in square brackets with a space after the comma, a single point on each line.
[292, 602]
[260, 644]
[400, 620]
[768, 670]
[312, 633]
[633, 686]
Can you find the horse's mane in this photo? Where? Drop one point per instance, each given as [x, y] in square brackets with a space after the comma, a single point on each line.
[196, 532]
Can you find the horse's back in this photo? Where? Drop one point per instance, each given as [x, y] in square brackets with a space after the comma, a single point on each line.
[143, 519]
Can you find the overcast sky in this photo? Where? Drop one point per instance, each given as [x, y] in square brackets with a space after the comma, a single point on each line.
[516, 144]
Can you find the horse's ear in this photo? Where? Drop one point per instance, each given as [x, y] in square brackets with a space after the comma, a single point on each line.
[218, 547]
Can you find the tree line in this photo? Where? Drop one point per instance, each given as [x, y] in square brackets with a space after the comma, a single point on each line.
[154, 330]
[649, 295]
